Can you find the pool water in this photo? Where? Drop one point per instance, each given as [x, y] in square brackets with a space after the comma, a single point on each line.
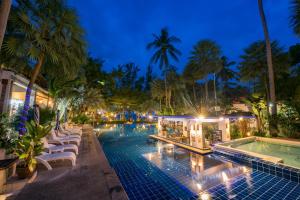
[289, 154]
[156, 170]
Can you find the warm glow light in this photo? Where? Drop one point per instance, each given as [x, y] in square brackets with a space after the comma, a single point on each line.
[241, 118]
[248, 134]
[193, 163]
[221, 118]
[205, 196]
[200, 117]
[225, 177]
[245, 169]
[150, 117]
[199, 186]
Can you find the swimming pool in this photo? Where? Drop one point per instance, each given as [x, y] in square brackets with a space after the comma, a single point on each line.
[289, 154]
[156, 170]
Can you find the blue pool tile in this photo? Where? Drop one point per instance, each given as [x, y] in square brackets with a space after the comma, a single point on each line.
[144, 181]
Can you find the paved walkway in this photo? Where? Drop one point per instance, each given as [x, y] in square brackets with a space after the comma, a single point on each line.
[92, 178]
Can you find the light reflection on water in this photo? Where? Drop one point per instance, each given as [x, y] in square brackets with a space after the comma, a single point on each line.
[195, 171]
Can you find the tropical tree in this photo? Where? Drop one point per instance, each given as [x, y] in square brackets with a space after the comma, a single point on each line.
[158, 91]
[163, 45]
[205, 59]
[4, 13]
[191, 75]
[295, 16]
[272, 96]
[253, 66]
[48, 32]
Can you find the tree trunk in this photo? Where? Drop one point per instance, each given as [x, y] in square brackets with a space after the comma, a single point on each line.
[34, 75]
[166, 91]
[206, 91]
[4, 13]
[194, 92]
[160, 104]
[269, 59]
[215, 89]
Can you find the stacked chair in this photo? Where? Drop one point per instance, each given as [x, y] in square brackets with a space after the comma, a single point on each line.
[62, 144]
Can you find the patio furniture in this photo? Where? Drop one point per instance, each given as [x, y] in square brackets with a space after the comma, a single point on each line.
[52, 148]
[45, 158]
[7, 169]
[64, 140]
[68, 135]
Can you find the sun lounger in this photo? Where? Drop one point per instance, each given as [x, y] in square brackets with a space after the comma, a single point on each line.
[45, 158]
[52, 148]
[64, 140]
[67, 135]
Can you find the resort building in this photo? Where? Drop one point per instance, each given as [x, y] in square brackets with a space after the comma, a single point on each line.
[200, 132]
[13, 89]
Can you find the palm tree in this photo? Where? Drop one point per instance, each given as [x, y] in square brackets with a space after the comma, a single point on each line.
[164, 48]
[191, 75]
[295, 17]
[253, 66]
[48, 32]
[4, 13]
[272, 102]
[158, 91]
[205, 59]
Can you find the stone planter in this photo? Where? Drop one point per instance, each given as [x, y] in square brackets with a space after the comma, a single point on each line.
[24, 172]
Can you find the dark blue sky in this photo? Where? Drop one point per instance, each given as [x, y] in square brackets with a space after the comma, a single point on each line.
[118, 30]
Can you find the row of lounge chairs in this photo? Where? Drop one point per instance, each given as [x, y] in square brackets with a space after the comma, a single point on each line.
[61, 144]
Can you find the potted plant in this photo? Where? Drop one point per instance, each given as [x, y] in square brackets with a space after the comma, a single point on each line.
[29, 146]
[8, 136]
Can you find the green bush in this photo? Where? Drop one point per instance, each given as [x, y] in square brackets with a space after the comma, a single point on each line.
[81, 119]
[30, 145]
[259, 133]
[47, 115]
[8, 136]
[287, 121]
[234, 131]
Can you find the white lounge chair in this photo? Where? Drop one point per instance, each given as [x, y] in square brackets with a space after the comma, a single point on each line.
[73, 131]
[52, 148]
[46, 157]
[63, 140]
[67, 134]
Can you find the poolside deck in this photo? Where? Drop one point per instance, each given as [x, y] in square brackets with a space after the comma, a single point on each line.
[92, 178]
[197, 150]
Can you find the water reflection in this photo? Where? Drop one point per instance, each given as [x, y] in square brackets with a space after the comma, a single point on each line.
[196, 172]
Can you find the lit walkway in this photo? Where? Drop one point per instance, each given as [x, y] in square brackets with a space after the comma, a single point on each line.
[92, 178]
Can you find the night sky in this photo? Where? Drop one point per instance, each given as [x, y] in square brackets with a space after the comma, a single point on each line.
[118, 30]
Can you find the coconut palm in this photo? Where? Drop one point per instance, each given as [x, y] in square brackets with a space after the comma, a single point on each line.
[295, 16]
[205, 59]
[191, 75]
[269, 59]
[163, 45]
[158, 91]
[48, 32]
[4, 13]
[253, 66]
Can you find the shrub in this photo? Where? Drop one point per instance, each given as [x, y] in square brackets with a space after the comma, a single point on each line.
[287, 121]
[47, 115]
[81, 119]
[259, 133]
[8, 136]
[234, 131]
[30, 145]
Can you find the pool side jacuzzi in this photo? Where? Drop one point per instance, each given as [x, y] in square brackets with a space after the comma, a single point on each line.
[277, 151]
